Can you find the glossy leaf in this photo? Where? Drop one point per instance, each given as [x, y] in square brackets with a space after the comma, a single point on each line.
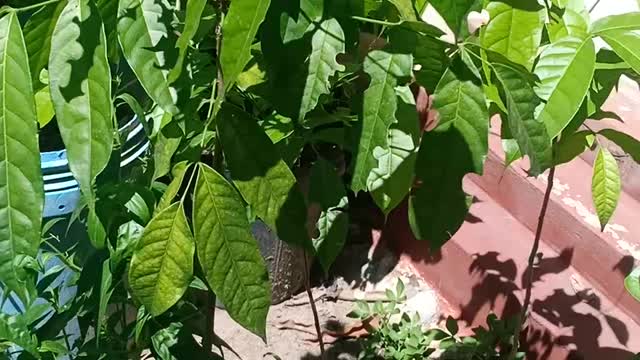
[326, 44]
[21, 188]
[627, 21]
[390, 182]
[514, 32]
[80, 82]
[438, 207]
[626, 44]
[605, 185]
[565, 70]
[632, 283]
[264, 180]
[162, 265]
[240, 28]
[379, 107]
[228, 253]
[143, 31]
[327, 191]
[521, 102]
[37, 35]
[628, 143]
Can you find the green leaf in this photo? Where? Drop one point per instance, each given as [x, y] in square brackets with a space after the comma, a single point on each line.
[105, 294]
[454, 13]
[191, 24]
[142, 25]
[379, 107]
[605, 185]
[327, 42]
[438, 207]
[166, 145]
[263, 179]
[565, 70]
[626, 44]
[627, 21]
[514, 32]
[452, 325]
[162, 265]
[405, 9]
[228, 253]
[44, 106]
[629, 144]
[164, 339]
[632, 283]
[80, 82]
[14, 330]
[21, 188]
[327, 191]
[37, 35]
[308, 16]
[571, 146]
[238, 31]
[172, 189]
[109, 13]
[277, 127]
[390, 182]
[522, 101]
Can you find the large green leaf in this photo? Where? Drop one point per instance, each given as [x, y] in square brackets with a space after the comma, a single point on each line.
[327, 191]
[628, 143]
[143, 30]
[628, 21]
[632, 284]
[521, 102]
[605, 185]
[380, 104]
[302, 20]
[390, 182]
[264, 180]
[80, 84]
[454, 13]
[456, 147]
[626, 44]
[238, 31]
[21, 188]
[37, 36]
[514, 32]
[326, 44]
[162, 265]
[565, 70]
[228, 253]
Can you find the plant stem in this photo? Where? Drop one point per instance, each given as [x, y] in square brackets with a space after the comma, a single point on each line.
[594, 6]
[374, 21]
[211, 317]
[219, 90]
[316, 320]
[532, 257]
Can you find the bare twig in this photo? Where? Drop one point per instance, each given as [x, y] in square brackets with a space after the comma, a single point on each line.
[316, 320]
[532, 257]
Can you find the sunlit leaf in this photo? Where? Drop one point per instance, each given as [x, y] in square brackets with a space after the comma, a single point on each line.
[143, 30]
[632, 283]
[565, 70]
[304, 21]
[626, 44]
[21, 188]
[627, 21]
[605, 185]
[162, 265]
[379, 107]
[264, 180]
[44, 106]
[239, 29]
[228, 253]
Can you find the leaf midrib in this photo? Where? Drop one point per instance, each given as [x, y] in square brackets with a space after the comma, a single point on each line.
[157, 297]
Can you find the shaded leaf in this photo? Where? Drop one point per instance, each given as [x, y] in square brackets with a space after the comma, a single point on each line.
[14, 330]
[228, 253]
[405, 9]
[191, 24]
[565, 70]
[303, 20]
[162, 265]
[571, 146]
[521, 102]
[514, 32]
[327, 190]
[172, 190]
[380, 104]
[327, 42]
[21, 187]
[628, 143]
[626, 44]
[238, 31]
[109, 13]
[263, 179]
[105, 294]
[454, 13]
[143, 30]
[605, 185]
[166, 338]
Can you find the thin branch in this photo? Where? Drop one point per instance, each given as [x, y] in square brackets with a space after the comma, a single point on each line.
[532, 257]
[211, 316]
[594, 6]
[316, 320]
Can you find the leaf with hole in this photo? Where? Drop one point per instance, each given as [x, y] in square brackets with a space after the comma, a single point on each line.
[162, 265]
[605, 185]
[21, 187]
[228, 253]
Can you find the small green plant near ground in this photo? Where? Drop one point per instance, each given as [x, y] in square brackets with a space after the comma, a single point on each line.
[398, 335]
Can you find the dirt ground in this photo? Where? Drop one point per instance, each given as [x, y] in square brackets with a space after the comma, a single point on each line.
[290, 326]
